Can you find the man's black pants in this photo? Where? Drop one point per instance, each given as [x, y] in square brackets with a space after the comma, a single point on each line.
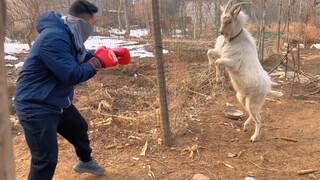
[41, 136]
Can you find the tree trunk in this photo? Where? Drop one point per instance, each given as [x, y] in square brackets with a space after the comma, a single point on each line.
[288, 20]
[300, 10]
[194, 23]
[279, 26]
[217, 16]
[7, 169]
[182, 17]
[126, 17]
[200, 15]
[263, 30]
[119, 15]
[164, 114]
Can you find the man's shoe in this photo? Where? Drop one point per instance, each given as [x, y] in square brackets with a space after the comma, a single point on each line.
[89, 167]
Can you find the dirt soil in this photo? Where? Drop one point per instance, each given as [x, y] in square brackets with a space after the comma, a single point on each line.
[122, 110]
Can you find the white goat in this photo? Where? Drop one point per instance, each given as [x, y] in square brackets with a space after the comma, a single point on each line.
[237, 51]
[317, 46]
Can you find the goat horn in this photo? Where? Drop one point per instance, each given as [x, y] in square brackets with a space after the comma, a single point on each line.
[227, 6]
[234, 7]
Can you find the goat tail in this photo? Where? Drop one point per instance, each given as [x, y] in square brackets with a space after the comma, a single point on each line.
[276, 93]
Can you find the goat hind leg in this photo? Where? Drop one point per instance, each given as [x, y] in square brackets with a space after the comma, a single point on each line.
[245, 102]
[246, 123]
[254, 111]
[257, 121]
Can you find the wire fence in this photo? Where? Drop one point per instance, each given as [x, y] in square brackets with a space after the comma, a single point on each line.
[180, 20]
[183, 22]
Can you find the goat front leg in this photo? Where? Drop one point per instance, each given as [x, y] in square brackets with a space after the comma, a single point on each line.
[212, 55]
[219, 77]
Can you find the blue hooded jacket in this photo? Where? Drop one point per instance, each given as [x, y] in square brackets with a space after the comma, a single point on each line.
[51, 70]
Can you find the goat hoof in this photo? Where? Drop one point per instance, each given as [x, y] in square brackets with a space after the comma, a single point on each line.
[245, 128]
[254, 139]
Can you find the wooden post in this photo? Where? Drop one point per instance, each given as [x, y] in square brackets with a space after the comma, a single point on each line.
[164, 114]
[7, 168]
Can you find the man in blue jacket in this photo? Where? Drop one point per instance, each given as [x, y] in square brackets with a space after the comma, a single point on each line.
[57, 62]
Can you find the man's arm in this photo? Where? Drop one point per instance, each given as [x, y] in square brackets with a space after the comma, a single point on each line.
[56, 54]
[89, 55]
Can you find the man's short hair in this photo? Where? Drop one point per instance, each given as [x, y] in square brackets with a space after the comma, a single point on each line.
[83, 9]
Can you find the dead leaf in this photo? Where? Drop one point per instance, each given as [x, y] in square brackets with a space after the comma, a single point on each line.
[107, 121]
[240, 153]
[273, 100]
[144, 149]
[313, 176]
[111, 146]
[226, 164]
[191, 150]
[134, 137]
[231, 155]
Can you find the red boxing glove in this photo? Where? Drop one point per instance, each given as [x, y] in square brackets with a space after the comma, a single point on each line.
[103, 58]
[122, 54]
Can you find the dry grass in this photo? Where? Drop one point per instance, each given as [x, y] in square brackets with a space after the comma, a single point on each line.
[188, 85]
[306, 33]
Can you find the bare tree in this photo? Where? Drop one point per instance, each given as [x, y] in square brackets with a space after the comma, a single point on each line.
[200, 3]
[119, 15]
[7, 170]
[23, 14]
[263, 30]
[288, 19]
[217, 16]
[126, 15]
[279, 25]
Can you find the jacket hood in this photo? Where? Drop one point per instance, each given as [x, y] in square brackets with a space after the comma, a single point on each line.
[48, 20]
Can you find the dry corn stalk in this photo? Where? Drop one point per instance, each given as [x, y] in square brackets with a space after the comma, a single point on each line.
[150, 173]
[105, 105]
[191, 150]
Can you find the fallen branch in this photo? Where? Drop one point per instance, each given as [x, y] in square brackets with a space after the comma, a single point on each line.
[240, 153]
[262, 167]
[198, 93]
[211, 173]
[308, 171]
[160, 162]
[288, 139]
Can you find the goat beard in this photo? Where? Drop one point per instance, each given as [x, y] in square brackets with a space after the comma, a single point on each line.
[227, 37]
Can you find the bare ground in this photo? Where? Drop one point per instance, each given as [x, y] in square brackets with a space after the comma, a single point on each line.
[204, 140]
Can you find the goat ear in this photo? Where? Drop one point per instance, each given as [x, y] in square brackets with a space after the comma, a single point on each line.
[222, 9]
